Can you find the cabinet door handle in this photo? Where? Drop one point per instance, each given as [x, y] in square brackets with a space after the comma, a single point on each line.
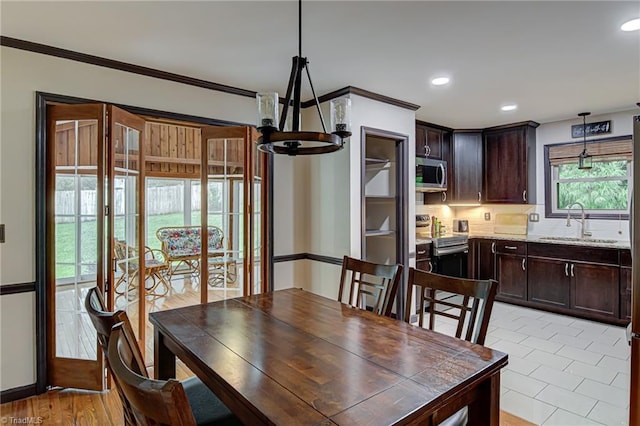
[430, 267]
[493, 247]
[511, 247]
[524, 195]
[523, 262]
[444, 197]
[566, 269]
[422, 251]
[427, 150]
[479, 197]
[572, 274]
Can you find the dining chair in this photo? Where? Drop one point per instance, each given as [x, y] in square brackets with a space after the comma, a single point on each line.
[369, 284]
[466, 302]
[204, 405]
[103, 321]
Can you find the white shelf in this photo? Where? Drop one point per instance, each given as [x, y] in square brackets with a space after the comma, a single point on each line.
[379, 198]
[376, 161]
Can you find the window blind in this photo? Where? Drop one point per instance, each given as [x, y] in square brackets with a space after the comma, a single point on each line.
[600, 151]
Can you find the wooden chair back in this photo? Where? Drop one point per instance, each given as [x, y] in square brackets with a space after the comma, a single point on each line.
[154, 402]
[468, 302]
[365, 281]
[103, 321]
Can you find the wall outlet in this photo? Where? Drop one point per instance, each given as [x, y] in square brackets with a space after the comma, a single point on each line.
[487, 216]
[534, 217]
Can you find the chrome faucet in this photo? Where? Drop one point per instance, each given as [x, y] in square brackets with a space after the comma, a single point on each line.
[583, 232]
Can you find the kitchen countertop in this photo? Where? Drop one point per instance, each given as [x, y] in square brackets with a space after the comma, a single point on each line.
[587, 242]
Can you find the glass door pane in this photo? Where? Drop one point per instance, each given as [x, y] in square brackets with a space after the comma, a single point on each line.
[75, 253]
[224, 219]
[133, 273]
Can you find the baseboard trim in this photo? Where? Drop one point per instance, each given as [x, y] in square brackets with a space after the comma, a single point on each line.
[309, 256]
[17, 288]
[17, 393]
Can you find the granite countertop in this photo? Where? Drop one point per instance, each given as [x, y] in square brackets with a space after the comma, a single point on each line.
[587, 242]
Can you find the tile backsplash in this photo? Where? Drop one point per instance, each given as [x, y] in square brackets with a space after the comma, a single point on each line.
[608, 229]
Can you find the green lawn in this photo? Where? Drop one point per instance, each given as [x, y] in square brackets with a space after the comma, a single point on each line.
[65, 240]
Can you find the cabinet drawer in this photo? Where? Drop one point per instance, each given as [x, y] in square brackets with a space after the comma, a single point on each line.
[511, 247]
[603, 256]
[423, 252]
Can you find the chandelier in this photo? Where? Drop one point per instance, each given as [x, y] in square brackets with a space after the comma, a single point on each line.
[277, 139]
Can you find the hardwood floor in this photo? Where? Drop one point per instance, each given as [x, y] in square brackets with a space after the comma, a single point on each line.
[73, 407]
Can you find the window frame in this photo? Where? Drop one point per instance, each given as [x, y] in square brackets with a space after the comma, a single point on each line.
[551, 190]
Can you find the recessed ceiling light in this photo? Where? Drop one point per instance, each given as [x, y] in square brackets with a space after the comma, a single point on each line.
[632, 25]
[509, 107]
[439, 81]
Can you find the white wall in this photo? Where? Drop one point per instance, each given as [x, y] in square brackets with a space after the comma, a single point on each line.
[24, 73]
[335, 189]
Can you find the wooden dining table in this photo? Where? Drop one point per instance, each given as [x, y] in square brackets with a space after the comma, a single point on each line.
[292, 357]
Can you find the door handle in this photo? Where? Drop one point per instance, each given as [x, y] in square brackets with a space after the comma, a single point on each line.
[443, 172]
[479, 197]
[524, 195]
[566, 269]
[422, 251]
[444, 197]
[493, 247]
[427, 150]
[572, 274]
[430, 267]
[511, 247]
[523, 262]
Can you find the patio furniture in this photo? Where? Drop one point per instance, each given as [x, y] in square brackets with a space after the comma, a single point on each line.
[181, 246]
[127, 260]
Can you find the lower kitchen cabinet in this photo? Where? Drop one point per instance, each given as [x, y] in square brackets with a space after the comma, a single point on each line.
[625, 285]
[423, 257]
[483, 262]
[549, 282]
[511, 270]
[594, 289]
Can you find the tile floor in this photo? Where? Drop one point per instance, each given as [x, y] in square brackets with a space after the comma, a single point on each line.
[562, 370]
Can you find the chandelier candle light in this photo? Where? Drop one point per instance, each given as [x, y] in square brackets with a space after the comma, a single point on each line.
[585, 161]
[275, 139]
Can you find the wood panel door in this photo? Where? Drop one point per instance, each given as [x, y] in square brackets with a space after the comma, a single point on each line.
[505, 166]
[485, 258]
[595, 289]
[466, 184]
[93, 152]
[549, 281]
[511, 273]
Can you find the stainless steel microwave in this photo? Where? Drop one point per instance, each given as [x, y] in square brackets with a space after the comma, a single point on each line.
[431, 175]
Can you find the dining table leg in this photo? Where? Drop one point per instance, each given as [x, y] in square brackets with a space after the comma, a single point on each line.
[164, 361]
[485, 410]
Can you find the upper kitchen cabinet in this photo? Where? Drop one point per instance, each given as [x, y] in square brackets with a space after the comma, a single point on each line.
[510, 164]
[466, 164]
[432, 141]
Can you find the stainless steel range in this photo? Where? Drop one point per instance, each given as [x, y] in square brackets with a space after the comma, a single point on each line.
[449, 255]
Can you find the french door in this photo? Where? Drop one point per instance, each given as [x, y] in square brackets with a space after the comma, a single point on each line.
[94, 206]
[95, 224]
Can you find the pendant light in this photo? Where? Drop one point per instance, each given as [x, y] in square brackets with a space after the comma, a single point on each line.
[276, 140]
[585, 161]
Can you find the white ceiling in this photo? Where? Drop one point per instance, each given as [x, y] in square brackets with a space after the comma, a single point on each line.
[554, 59]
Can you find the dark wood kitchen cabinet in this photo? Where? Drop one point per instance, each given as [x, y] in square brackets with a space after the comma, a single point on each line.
[423, 257]
[465, 185]
[511, 270]
[432, 141]
[549, 282]
[625, 285]
[482, 262]
[509, 156]
[577, 280]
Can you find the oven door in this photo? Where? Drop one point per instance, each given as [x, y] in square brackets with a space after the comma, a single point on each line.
[452, 264]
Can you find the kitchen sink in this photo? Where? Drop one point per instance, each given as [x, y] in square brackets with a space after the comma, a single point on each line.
[586, 240]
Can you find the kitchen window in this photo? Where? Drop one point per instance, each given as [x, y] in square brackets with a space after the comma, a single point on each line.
[604, 190]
